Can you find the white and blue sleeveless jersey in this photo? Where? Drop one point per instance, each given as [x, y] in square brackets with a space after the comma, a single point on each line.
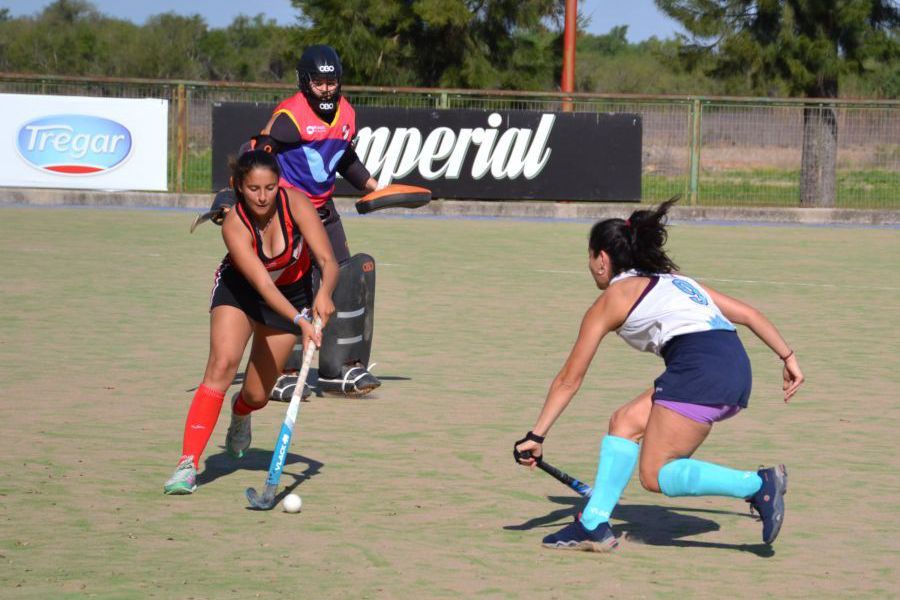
[671, 305]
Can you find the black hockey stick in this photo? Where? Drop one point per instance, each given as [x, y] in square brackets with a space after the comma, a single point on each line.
[221, 204]
[563, 477]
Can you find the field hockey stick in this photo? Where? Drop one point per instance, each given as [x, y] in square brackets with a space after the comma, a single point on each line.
[267, 500]
[561, 476]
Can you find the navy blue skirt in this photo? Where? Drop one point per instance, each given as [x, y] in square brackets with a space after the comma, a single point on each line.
[709, 367]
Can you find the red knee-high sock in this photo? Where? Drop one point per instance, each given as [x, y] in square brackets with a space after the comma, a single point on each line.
[242, 408]
[201, 420]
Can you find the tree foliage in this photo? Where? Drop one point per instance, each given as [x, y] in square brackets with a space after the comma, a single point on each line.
[70, 37]
[805, 46]
[801, 47]
[440, 43]
[436, 43]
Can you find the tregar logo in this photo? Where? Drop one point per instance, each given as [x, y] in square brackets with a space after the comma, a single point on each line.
[74, 144]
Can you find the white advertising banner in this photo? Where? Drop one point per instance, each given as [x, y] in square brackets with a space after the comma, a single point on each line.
[82, 142]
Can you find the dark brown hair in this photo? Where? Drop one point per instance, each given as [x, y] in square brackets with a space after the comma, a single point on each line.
[248, 161]
[636, 242]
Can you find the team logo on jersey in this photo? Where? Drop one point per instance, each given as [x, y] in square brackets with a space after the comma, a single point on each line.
[326, 105]
[345, 132]
[314, 129]
[74, 144]
[317, 164]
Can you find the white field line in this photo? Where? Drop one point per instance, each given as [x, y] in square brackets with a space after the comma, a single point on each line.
[748, 281]
[831, 286]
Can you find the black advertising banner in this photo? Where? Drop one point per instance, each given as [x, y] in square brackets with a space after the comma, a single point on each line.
[474, 154]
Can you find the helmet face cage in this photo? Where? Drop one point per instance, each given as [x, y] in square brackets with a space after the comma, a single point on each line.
[320, 63]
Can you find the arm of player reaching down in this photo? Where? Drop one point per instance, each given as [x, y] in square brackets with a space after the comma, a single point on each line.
[314, 234]
[742, 313]
[606, 314]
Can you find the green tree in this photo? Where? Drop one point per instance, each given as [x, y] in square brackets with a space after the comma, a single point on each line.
[804, 45]
[250, 49]
[440, 43]
[168, 47]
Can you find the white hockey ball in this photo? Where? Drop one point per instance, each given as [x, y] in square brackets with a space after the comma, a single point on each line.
[292, 503]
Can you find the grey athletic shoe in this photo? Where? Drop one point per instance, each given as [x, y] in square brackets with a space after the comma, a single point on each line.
[183, 480]
[237, 440]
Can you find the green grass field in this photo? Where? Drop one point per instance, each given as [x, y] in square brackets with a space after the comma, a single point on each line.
[856, 188]
[413, 493]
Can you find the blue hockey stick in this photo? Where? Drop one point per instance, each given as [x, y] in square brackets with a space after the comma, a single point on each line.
[267, 500]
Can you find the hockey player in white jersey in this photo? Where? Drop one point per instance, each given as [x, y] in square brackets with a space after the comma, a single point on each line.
[655, 308]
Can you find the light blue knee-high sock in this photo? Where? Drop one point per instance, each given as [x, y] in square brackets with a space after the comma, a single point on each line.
[689, 477]
[618, 457]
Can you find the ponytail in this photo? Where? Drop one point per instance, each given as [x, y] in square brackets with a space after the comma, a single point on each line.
[636, 242]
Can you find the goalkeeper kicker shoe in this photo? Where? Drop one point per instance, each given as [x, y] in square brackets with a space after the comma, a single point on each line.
[183, 480]
[355, 380]
[284, 388]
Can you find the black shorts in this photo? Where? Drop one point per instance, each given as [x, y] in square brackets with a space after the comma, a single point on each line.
[233, 289]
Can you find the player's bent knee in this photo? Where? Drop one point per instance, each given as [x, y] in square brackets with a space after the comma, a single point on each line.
[617, 424]
[623, 424]
[254, 398]
[649, 477]
[221, 370]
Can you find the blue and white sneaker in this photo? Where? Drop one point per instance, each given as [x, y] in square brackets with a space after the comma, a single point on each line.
[769, 501]
[575, 537]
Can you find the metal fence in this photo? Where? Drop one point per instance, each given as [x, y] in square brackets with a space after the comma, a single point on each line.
[713, 151]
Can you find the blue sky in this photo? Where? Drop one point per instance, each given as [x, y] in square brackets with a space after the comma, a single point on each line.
[644, 20]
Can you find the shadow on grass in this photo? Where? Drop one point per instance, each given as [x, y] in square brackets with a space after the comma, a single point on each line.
[222, 464]
[649, 524]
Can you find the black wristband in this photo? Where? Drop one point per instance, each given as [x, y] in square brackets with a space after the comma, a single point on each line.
[530, 436]
[534, 437]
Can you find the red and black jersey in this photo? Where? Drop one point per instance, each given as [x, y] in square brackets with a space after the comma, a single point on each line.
[290, 265]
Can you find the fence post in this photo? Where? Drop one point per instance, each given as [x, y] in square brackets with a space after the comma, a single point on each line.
[696, 112]
[180, 136]
[442, 100]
